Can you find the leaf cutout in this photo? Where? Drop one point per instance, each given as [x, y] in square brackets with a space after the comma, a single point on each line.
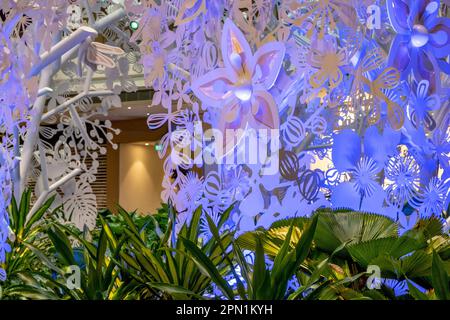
[107, 49]
[189, 11]
[396, 116]
[95, 57]
[372, 60]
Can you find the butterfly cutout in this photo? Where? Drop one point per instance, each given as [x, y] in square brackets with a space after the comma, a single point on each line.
[95, 54]
[386, 80]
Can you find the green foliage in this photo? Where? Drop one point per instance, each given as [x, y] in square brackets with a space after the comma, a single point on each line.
[167, 271]
[130, 256]
[351, 241]
[99, 276]
[26, 275]
[272, 284]
[440, 278]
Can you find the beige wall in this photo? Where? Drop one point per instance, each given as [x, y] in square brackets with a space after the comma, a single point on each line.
[140, 178]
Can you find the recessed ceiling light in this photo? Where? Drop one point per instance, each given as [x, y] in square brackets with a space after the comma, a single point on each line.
[148, 113]
[129, 108]
[147, 144]
[134, 25]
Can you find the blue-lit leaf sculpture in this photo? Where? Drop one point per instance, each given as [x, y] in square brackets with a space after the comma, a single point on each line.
[333, 104]
[358, 95]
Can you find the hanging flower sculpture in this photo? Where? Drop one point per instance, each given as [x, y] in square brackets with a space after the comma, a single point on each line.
[241, 88]
[403, 171]
[422, 42]
[362, 191]
[347, 110]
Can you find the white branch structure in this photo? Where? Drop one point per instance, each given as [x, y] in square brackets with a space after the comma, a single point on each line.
[49, 64]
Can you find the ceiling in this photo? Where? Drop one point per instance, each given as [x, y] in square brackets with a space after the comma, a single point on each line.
[132, 110]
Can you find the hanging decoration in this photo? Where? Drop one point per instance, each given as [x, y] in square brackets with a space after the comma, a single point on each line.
[357, 91]
[327, 104]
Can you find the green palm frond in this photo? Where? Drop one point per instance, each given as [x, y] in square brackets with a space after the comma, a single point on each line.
[337, 228]
[365, 252]
[334, 229]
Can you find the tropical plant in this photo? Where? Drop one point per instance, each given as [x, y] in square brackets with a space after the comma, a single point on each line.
[168, 271]
[154, 224]
[255, 281]
[87, 270]
[27, 245]
[326, 256]
[352, 241]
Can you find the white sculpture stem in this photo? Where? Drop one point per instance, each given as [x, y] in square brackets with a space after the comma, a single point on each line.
[62, 47]
[60, 53]
[44, 91]
[91, 19]
[16, 171]
[63, 106]
[109, 19]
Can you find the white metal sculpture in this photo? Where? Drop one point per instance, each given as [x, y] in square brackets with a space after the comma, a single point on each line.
[48, 125]
[337, 91]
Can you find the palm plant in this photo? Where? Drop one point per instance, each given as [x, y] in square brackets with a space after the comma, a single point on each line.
[168, 271]
[349, 242]
[27, 245]
[256, 281]
[99, 276]
[440, 281]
